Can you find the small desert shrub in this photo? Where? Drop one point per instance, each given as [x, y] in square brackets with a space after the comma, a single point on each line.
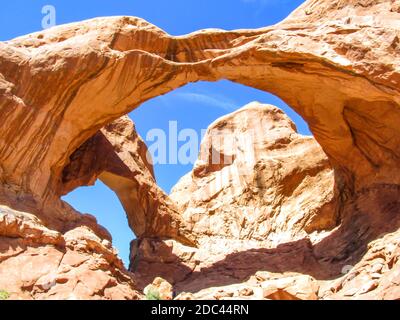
[153, 294]
[4, 295]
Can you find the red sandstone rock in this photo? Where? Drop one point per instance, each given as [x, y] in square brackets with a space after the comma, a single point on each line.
[62, 92]
[160, 289]
[305, 244]
[270, 184]
[38, 263]
[118, 156]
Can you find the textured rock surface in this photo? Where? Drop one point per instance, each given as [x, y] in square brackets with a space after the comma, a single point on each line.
[160, 289]
[38, 263]
[264, 216]
[118, 156]
[257, 184]
[257, 179]
[61, 86]
[335, 62]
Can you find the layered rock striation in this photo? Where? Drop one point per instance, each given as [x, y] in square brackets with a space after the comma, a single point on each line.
[295, 207]
[261, 202]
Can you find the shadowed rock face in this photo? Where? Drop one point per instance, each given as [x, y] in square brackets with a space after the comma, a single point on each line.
[261, 202]
[118, 156]
[257, 179]
[334, 62]
[61, 86]
[39, 263]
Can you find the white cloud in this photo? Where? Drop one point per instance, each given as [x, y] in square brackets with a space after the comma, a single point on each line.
[219, 102]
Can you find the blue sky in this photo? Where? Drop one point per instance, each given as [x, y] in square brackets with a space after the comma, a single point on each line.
[194, 106]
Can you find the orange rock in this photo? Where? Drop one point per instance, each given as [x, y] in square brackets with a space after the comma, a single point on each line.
[291, 288]
[253, 191]
[38, 263]
[118, 156]
[330, 68]
[160, 288]
[297, 208]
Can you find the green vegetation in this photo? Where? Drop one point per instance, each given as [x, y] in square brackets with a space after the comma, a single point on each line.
[4, 295]
[153, 294]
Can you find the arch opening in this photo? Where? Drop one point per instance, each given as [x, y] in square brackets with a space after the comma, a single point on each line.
[136, 61]
[347, 94]
[103, 203]
[182, 116]
[108, 156]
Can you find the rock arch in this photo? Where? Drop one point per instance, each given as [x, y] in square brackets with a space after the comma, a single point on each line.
[59, 87]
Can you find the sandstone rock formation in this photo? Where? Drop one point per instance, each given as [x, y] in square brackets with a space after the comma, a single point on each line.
[159, 289]
[118, 156]
[257, 179]
[257, 184]
[63, 90]
[39, 263]
[260, 201]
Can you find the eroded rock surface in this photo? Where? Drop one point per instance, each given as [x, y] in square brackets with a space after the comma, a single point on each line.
[257, 179]
[335, 62]
[118, 156]
[39, 263]
[61, 86]
[262, 205]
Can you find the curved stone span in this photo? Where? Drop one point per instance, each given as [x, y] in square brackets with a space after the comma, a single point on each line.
[62, 95]
[61, 86]
[341, 74]
[118, 157]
